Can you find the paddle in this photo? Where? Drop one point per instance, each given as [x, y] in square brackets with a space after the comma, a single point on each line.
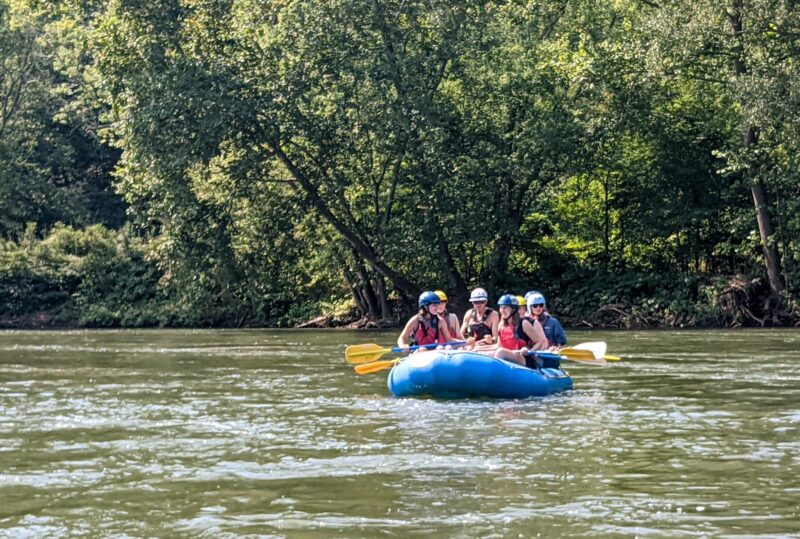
[579, 356]
[376, 366]
[597, 349]
[367, 353]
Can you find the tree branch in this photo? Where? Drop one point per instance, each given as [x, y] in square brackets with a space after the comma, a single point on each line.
[360, 246]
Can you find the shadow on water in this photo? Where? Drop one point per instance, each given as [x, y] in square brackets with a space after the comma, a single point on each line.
[270, 433]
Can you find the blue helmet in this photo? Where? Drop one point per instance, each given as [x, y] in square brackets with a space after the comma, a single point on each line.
[509, 300]
[534, 298]
[428, 298]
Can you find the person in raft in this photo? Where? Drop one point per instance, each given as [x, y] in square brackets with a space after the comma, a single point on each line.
[480, 322]
[427, 326]
[452, 319]
[523, 308]
[518, 335]
[537, 307]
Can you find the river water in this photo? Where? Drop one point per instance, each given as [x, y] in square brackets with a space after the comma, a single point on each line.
[271, 434]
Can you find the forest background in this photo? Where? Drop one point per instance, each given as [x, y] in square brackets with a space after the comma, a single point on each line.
[252, 163]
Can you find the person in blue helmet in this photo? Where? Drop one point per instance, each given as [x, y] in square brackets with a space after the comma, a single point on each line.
[428, 326]
[517, 335]
[537, 309]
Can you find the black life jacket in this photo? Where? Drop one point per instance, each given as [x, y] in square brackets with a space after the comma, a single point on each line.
[520, 334]
[478, 328]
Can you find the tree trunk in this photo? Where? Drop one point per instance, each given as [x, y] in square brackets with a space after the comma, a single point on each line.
[369, 292]
[352, 285]
[750, 138]
[606, 224]
[383, 301]
[765, 230]
[501, 252]
[458, 294]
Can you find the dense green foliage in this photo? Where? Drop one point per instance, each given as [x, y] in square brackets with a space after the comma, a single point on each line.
[635, 160]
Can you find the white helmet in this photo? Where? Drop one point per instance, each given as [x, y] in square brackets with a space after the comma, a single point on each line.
[479, 294]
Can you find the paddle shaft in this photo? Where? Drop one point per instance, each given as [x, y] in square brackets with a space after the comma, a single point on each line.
[367, 353]
[398, 350]
[552, 355]
[375, 366]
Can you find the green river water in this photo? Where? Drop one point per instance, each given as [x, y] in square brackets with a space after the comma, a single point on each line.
[263, 433]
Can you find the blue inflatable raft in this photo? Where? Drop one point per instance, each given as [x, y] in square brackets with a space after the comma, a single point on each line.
[458, 375]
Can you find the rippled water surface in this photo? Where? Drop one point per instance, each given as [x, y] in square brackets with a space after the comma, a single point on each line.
[271, 434]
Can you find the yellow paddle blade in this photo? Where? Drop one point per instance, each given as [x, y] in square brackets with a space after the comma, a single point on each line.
[376, 366]
[597, 348]
[573, 353]
[364, 353]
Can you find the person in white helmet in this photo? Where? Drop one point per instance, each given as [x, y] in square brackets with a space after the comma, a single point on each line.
[480, 322]
[537, 307]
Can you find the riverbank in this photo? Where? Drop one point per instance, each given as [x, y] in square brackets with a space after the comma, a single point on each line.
[99, 278]
[607, 317]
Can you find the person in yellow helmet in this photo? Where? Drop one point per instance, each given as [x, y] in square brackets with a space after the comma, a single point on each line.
[522, 311]
[452, 320]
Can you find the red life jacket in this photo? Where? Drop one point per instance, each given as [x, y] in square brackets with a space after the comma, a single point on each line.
[509, 339]
[427, 331]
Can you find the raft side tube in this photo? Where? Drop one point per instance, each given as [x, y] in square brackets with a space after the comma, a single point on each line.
[461, 374]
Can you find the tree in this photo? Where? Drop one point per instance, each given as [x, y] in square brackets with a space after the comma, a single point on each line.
[370, 112]
[52, 165]
[744, 49]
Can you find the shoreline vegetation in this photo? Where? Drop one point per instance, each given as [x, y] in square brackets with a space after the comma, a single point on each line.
[613, 316]
[101, 278]
[307, 164]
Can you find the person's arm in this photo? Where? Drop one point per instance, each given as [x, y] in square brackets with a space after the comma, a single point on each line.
[465, 325]
[405, 337]
[445, 330]
[453, 325]
[494, 322]
[535, 332]
[559, 337]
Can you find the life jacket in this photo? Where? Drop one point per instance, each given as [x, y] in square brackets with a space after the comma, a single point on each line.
[514, 338]
[533, 362]
[427, 331]
[549, 327]
[478, 328]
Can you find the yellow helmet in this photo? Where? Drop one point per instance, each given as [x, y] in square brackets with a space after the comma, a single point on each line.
[521, 300]
[442, 295]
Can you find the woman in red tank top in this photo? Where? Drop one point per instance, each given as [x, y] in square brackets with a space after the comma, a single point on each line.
[517, 335]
